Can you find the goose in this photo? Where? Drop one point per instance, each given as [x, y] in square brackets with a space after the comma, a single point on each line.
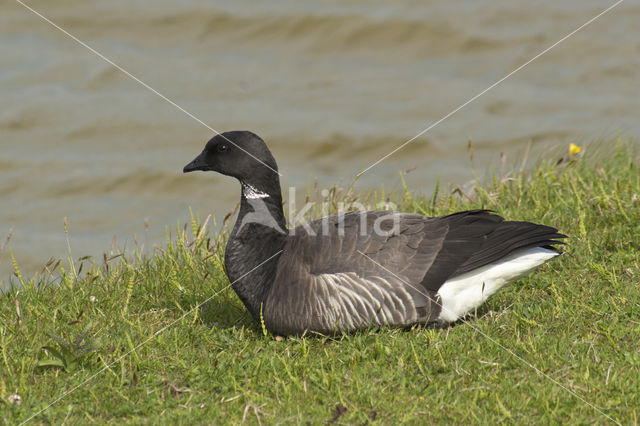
[359, 269]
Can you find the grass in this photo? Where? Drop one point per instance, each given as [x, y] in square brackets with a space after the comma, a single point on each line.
[131, 341]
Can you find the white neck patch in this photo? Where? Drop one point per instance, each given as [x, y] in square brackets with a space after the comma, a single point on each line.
[251, 192]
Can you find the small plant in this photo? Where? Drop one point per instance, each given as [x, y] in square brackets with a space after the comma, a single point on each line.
[68, 355]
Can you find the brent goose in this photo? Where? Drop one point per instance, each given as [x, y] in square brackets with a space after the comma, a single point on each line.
[362, 268]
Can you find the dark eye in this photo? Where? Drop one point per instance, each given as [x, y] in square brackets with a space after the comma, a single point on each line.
[222, 147]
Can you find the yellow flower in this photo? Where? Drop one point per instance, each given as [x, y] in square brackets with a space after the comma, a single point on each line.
[574, 149]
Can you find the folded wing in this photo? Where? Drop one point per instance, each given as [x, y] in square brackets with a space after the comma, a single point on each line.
[372, 268]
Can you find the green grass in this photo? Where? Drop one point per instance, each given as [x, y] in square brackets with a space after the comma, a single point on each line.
[138, 345]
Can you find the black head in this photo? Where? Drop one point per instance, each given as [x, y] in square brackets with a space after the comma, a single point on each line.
[241, 154]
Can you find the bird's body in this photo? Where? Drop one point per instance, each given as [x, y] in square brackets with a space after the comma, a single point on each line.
[353, 270]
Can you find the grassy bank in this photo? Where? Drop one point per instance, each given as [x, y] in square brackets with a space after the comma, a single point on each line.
[165, 340]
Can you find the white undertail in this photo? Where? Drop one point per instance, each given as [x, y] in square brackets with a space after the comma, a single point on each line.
[466, 292]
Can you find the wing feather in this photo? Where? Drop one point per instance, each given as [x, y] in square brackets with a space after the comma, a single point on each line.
[324, 282]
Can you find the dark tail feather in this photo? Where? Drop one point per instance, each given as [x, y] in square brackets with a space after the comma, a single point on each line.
[508, 238]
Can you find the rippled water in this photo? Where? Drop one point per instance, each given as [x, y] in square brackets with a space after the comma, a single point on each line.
[330, 86]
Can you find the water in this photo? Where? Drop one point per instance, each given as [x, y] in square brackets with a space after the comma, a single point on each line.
[331, 88]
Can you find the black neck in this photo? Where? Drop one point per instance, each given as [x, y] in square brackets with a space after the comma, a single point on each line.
[259, 234]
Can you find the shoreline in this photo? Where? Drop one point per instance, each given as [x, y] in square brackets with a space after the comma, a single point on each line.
[167, 340]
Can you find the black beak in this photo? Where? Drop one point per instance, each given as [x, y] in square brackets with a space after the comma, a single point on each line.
[198, 163]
